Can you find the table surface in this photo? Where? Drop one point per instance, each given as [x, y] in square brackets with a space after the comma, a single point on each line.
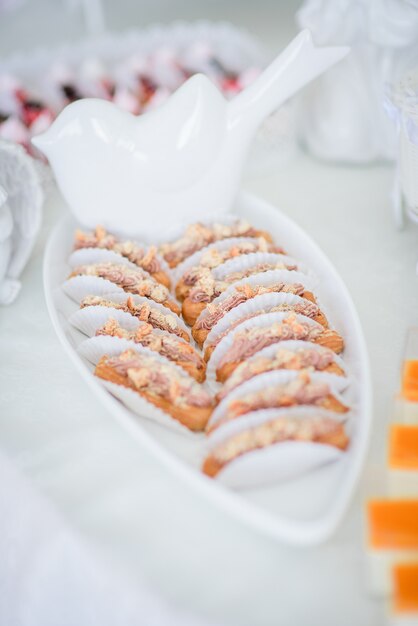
[118, 497]
[128, 507]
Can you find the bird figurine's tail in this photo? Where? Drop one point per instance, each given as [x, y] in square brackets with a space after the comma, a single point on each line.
[296, 66]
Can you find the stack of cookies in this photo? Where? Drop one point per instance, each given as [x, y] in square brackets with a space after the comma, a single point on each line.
[219, 331]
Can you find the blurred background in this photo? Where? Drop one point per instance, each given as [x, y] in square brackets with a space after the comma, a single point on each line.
[25, 24]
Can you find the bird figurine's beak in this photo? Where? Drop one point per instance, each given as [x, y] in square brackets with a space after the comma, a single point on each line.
[65, 127]
[40, 141]
[45, 141]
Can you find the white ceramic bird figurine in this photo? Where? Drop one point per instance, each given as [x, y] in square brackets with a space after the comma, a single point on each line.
[140, 174]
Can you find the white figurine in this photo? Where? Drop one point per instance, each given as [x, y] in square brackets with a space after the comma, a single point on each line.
[342, 116]
[139, 174]
[21, 199]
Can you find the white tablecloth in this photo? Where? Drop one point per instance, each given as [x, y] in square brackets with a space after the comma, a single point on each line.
[140, 519]
[50, 576]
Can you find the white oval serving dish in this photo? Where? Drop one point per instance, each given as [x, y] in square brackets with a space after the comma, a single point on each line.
[303, 511]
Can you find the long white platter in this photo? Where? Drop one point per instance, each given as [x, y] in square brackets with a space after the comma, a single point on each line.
[303, 511]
